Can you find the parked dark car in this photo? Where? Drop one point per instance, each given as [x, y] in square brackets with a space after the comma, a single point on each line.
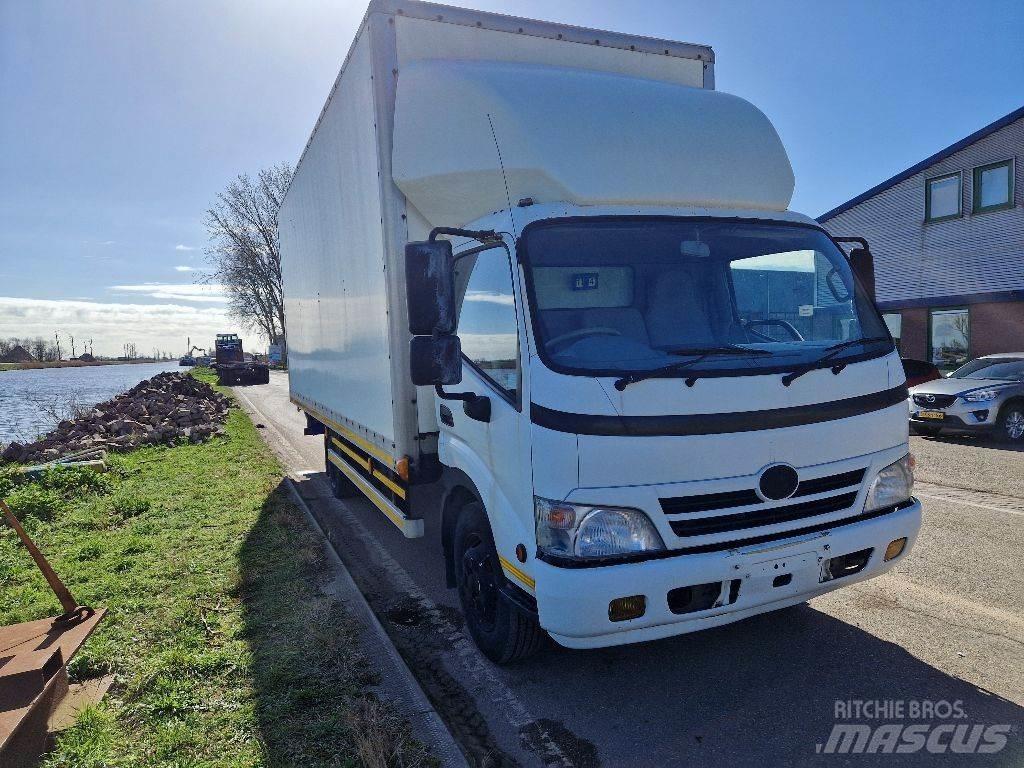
[984, 395]
[920, 371]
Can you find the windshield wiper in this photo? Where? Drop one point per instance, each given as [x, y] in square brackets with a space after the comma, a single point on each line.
[830, 352]
[700, 353]
[724, 349]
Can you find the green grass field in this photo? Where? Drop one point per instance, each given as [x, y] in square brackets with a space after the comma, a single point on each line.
[224, 648]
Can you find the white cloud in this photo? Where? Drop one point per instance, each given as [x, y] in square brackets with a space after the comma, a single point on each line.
[180, 247]
[184, 268]
[201, 292]
[490, 297]
[164, 326]
[790, 261]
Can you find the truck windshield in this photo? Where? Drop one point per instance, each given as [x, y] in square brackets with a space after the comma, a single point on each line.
[612, 296]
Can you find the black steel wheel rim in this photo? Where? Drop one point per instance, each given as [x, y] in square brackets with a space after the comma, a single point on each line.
[478, 585]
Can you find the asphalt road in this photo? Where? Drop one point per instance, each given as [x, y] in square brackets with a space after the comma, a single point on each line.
[947, 625]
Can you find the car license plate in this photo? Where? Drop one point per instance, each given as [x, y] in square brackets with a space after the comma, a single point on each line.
[939, 415]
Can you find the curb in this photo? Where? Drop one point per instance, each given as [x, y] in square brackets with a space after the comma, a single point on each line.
[397, 681]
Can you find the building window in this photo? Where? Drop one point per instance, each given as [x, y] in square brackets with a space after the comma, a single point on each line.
[950, 337]
[993, 186]
[942, 197]
[894, 322]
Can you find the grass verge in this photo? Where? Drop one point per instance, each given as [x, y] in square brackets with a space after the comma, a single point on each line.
[225, 648]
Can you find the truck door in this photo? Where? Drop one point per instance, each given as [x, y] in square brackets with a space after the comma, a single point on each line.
[491, 451]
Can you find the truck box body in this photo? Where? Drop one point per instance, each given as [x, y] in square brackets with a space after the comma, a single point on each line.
[344, 220]
[666, 401]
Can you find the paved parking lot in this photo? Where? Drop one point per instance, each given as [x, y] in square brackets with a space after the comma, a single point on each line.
[975, 462]
[947, 625]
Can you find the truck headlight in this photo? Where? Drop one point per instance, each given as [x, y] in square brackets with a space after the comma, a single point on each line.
[981, 395]
[582, 531]
[892, 486]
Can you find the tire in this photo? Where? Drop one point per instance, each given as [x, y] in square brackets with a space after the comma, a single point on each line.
[1010, 427]
[341, 486]
[927, 431]
[500, 629]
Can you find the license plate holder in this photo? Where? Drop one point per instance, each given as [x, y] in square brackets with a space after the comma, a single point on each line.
[933, 415]
[782, 565]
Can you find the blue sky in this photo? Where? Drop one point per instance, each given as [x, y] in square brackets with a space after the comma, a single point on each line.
[121, 120]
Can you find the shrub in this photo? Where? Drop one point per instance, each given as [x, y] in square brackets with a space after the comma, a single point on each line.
[74, 481]
[125, 505]
[32, 500]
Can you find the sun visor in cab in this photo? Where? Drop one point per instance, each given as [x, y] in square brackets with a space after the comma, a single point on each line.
[576, 136]
[573, 288]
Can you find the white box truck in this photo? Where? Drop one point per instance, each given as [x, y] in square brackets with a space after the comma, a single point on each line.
[554, 271]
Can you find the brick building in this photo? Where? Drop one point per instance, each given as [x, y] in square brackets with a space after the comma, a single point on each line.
[948, 240]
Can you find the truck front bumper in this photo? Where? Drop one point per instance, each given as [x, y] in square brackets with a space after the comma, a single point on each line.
[573, 603]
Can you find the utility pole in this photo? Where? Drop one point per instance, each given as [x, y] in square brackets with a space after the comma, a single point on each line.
[56, 337]
[72, 346]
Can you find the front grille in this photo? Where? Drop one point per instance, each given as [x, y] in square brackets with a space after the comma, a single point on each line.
[830, 483]
[934, 401]
[758, 513]
[703, 526]
[707, 502]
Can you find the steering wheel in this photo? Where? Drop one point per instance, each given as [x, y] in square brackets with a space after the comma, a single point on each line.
[787, 327]
[581, 333]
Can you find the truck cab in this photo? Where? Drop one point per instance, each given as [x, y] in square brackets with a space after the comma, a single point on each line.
[689, 419]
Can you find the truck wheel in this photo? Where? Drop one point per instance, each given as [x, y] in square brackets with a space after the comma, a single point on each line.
[500, 629]
[1010, 427]
[341, 486]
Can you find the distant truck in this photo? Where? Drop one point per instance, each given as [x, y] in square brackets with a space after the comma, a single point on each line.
[677, 406]
[231, 365]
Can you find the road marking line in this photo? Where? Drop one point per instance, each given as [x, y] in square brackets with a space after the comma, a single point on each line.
[953, 499]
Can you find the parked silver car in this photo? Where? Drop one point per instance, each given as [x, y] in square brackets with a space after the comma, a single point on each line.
[984, 395]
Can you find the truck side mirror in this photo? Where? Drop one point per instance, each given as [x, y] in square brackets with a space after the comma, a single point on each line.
[863, 264]
[435, 360]
[430, 287]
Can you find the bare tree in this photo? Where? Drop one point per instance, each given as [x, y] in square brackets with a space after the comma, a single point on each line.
[244, 251]
[39, 349]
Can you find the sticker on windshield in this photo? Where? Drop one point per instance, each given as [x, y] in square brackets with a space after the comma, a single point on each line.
[584, 281]
[806, 310]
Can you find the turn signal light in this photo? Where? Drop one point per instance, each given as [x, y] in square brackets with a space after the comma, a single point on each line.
[625, 608]
[895, 548]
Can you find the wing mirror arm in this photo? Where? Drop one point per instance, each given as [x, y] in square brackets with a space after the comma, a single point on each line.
[862, 262]
[475, 406]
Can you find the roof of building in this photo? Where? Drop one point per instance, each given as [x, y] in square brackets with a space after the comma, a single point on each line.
[17, 354]
[1002, 122]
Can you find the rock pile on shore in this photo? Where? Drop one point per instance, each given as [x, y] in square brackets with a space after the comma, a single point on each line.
[165, 409]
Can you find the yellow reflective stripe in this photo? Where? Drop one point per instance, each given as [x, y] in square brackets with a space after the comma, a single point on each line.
[363, 443]
[369, 491]
[514, 571]
[362, 461]
[395, 487]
